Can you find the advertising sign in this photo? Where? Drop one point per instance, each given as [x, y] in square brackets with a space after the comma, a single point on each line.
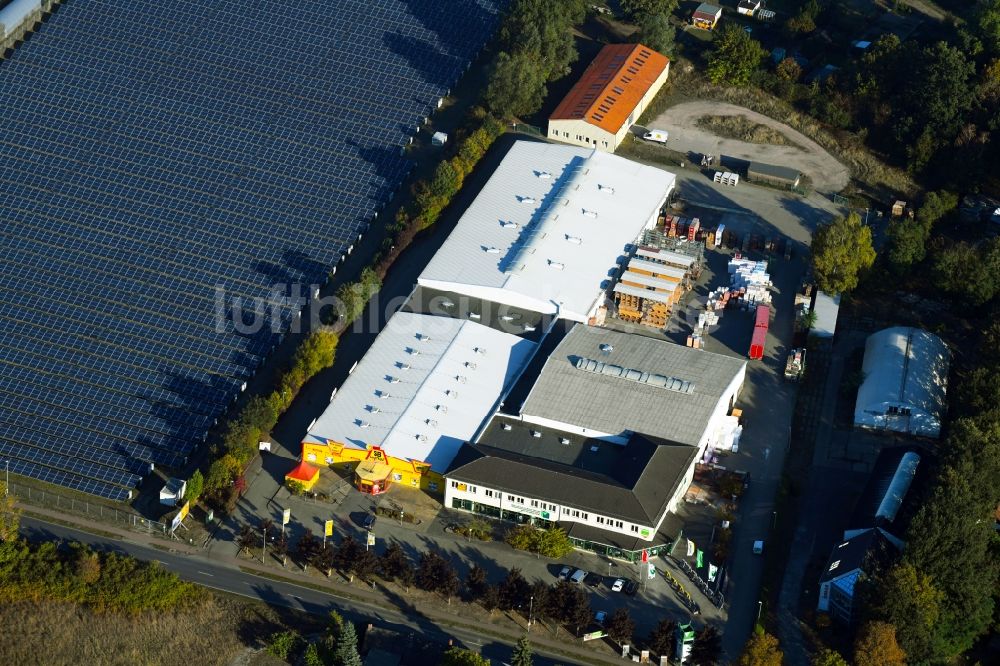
[286, 516]
[538, 513]
[328, 528]
[594, 635]
[371, 538]
[181, 515]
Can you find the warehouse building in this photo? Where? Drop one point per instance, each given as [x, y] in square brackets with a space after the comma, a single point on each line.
[608, 385]
[605, 443]
[548, 229]
[425, 386]
[613, 498]
[610, 96]
[906, 374]
[779, 176]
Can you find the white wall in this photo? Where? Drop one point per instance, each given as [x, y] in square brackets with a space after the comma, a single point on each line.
[557, 513]
[581, 133]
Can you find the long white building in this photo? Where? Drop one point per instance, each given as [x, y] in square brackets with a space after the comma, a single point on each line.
[547, 231]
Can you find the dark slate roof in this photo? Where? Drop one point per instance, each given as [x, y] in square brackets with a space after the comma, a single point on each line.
[774, 171]
[886, 489]
[527, 324]
[669, 530]
[868, 551]
[633, 482]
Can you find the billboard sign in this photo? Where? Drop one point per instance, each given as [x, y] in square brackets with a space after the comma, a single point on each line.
[594, 635]
[371, 538]
[286, 516]
[181, 515]
[328, 528]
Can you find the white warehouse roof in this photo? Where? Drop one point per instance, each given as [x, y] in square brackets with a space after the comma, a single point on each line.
[547, 230]
[423, 388]
[906, 372]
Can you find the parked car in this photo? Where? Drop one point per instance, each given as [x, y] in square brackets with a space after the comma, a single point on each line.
[593, 579]
[758, 547]
[565, 573]
[600, 617]
[631, 587]
[578, 576]
[618, 585]
[658, 136]
[369, 523]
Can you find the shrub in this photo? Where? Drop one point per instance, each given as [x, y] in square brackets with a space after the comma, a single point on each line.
[284, 644]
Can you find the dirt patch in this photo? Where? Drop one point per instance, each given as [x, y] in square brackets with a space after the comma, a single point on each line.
[798, 152]
[742, 128]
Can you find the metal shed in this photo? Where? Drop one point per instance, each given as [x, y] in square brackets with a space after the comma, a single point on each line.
[758, 172]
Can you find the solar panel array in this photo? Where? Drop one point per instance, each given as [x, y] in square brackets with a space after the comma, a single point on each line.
[152, 152]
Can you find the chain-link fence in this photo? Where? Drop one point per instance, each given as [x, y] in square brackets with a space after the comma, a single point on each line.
[96, 511]
[525, 128]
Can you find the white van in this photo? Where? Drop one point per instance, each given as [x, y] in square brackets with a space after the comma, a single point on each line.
[578, 576]
[659, 136]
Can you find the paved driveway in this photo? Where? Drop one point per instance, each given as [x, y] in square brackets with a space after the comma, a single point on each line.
[827, 174]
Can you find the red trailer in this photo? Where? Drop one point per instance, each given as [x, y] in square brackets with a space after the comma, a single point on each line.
[759, 333]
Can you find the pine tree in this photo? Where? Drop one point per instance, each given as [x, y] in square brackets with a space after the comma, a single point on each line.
[346, 652]
[522, 653]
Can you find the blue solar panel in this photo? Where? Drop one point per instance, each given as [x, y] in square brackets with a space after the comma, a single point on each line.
[152, 153]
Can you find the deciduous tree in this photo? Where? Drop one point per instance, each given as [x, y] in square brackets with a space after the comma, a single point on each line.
[663, 637]
[476, 582]
[346, 553]
[306, 548]
[656, 32]
[828, 657]
[620, 626]
[516, 84]
[761, 650]
[636, 9]
[841, 251]
[195, 486]
[514, 590]
[707, 648]
[909, 601]
[456, 656]
[10, 514]
[877, 646]
[735, 57]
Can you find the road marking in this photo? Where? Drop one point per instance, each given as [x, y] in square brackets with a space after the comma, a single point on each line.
[205, 573]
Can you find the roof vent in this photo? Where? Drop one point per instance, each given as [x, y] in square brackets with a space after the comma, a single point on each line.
[528, 328]
[536, 433]
[403, 366]
[544, 174]
[373, 409]
[451, 394]
[590, 213]
[392, 380]
[509, 225]
[420, 438]
[606, 348]
[575, 240]
[607, 189]
[594, 448]
[412, 352]
[447, 304]
[528, 200]
[564, 440]
[382, 394]
[479, 350]
[505, 426]
[470, 365]
[364, 424]
[423, 337]
[461, 379]
[558, 265]
[492, 250]
[431, 422]
[475, 315]
[442, 408]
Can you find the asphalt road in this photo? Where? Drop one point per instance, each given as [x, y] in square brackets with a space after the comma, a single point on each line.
[277, 593]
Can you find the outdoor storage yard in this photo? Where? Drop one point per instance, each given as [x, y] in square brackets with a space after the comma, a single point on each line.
[689, 135]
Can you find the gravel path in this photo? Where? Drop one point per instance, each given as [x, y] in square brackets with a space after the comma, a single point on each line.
[827, 174]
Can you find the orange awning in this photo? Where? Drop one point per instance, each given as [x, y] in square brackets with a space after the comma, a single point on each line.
[304, 472]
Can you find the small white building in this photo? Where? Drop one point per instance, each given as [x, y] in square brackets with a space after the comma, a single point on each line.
[748, 7]
[906, 375]
[610, 96]
[547, 231]
[173, 491]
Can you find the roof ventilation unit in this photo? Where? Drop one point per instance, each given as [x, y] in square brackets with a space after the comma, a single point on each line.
[492, 250]
[544, 175]
[528, 200]
[607, 189]
[392, 380]
[509, 225]
[536, 433]
[575, 240]
[505, 426]
[564, 441]
[470, 365]
[558, 265]
[479, 350]
[590, 213]
[364, 424]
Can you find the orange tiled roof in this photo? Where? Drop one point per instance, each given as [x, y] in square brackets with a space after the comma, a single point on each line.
[612, 86]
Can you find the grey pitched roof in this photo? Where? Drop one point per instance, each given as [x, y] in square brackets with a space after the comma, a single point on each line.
[630, 482]
[617, 405]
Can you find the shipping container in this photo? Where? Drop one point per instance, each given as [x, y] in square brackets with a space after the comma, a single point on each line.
[759, 333]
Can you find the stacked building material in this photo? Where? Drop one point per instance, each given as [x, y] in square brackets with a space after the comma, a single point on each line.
[652, 283]
[751, 280]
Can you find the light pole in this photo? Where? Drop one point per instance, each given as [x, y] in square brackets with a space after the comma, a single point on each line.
[760, 607]
[531, 610]
[6, 487]
[774, 519]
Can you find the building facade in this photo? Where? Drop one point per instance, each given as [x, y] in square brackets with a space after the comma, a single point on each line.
[610, 96]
